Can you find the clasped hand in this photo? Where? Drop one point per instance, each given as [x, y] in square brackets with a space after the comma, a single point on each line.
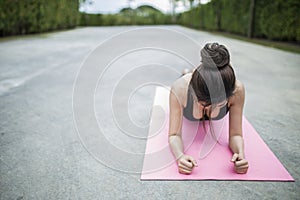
[240, 163]
[187, 163]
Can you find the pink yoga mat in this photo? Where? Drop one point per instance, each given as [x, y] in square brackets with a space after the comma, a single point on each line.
[213, 158]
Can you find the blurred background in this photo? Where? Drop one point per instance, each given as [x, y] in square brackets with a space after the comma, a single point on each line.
[42, 151]
[277, 20]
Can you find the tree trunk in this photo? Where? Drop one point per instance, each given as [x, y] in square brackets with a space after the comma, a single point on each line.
[173, 2]
[219, 15]
[251, 19]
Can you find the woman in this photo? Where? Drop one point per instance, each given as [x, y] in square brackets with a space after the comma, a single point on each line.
[208, 93]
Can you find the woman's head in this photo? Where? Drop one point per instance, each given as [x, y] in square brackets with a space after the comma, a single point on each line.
[214, 80]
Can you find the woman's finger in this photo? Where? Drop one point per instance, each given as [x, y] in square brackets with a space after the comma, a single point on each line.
[187, 163]
[184, 167]
[241, 163]
[183, 171]
[194, 162]
[234, 157]
[241, 170]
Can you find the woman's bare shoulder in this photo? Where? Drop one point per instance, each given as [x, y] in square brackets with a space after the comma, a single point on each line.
[180, 86]
[239, 88]
[239, 93]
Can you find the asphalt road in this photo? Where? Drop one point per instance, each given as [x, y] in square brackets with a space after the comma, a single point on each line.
[75, 107]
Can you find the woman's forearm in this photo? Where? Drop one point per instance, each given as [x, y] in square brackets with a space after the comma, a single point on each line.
[236, 144]
[176, 145]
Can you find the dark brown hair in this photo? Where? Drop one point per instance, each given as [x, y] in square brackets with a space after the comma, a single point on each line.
[213, 81]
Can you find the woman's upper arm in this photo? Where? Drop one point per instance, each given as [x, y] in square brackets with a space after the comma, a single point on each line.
[236, 111]
[175, 106]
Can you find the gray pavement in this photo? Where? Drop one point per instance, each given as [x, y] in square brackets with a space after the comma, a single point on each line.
[42, 146]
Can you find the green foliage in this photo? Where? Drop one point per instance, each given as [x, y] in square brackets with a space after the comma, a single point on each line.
[235, 16]
[32, 16]
[280, 20]
[274, 19]
[91, 20]
[143, 15]
[208, 16]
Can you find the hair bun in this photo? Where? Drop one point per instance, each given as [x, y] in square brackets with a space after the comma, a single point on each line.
[214, 54]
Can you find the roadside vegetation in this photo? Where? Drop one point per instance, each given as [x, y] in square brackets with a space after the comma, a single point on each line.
[273, 23]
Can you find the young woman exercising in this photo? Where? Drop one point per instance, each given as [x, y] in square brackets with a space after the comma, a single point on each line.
[208, 93]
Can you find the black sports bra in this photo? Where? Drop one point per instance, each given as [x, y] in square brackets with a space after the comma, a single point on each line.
[188, 110]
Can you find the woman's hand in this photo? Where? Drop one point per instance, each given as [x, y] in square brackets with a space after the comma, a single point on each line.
[240, 163]
[186, 164]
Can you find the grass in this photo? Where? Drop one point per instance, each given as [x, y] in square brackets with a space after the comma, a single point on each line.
[286, 46]
[41, 35]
